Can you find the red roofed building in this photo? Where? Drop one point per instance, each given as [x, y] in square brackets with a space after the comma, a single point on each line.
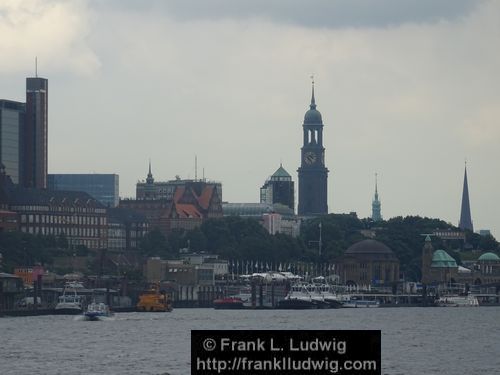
[187, 205]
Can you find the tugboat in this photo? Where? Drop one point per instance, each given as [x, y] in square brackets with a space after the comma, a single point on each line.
[154, 300]
[232, 303]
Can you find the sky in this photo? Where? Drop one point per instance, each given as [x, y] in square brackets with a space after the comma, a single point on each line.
[408, 89]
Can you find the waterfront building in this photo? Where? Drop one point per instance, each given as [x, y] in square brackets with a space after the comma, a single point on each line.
[465, 222]
[368, 262]
[312, 172]
[35, 137]
[74, 215]
[126, 228]
[103, 187]
[150, 189]
[187, 206]
[12, 116]
[276, 218]
[279, 188]
[11, 289]
[376, 214]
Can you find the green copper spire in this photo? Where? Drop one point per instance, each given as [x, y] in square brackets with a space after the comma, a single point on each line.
[376, 215]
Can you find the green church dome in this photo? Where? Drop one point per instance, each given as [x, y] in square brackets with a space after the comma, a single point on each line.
[441, 259]
[489, 257]
[313, 117]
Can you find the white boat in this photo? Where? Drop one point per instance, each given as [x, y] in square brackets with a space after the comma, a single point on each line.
[70, 302]
[355, 303]
[458, 301]
[97, 311]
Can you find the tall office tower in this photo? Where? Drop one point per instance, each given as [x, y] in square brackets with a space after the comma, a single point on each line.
[376, 215]
[11, 130]
[36, 133]
[313, 174]
[465, 216]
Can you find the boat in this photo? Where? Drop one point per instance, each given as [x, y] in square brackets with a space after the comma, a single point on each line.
[355, 303]
[231, 303]
[303, 296]
[458, 301]
[97, 311]
[154, 300]
[70, 303]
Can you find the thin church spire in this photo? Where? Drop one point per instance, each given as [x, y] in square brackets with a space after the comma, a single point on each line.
[465, 222]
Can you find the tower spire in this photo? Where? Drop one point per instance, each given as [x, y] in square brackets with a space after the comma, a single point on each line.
[376, 215]
[150, 178]
[465, 222]
[313, 101]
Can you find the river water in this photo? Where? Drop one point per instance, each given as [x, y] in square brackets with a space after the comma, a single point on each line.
[414, 340]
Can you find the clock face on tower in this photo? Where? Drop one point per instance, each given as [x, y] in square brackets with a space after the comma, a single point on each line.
[309, 157]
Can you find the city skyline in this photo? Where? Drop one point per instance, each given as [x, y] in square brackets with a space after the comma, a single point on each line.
[409, 94]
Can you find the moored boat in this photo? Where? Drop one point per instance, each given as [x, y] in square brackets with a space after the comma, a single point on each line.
[355, 303]
[232, 303]
[154, 300]
[458, 301]
[70, 302]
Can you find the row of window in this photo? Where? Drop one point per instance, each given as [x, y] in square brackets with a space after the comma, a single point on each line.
[69, 232]
[72, 209]
[66, 219]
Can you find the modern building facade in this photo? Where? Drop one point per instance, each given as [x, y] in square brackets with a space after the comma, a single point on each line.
[279, 188]
[103, 187]
[313, 174]
[465, 222]
[36, 134]
[12, 117]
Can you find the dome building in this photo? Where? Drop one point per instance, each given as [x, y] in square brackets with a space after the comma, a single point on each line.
[368, 262]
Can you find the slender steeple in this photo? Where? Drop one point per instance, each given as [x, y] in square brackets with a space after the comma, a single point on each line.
[376, 215]
[150, 178]
[313, 101]
[465, 222]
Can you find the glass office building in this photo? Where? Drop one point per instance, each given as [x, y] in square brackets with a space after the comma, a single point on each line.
[103, 187]
[11, 127]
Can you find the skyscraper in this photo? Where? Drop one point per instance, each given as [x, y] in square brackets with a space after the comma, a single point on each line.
[465, 222]
[36, 133]
[376, 215]
[313, 174]
[11, 130]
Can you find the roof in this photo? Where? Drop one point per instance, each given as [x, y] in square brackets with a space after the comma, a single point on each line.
[29, 196]
[368, 247]
[281, 172]
[489, 257]
[441, 259]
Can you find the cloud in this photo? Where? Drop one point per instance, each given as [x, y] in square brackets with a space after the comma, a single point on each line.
[313, 14]
[55, 31]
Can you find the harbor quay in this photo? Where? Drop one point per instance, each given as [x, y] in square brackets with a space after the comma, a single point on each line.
[269, 290]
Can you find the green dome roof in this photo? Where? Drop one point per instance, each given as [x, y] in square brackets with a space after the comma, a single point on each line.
[441, 259]
[313, 117]
[489, 257]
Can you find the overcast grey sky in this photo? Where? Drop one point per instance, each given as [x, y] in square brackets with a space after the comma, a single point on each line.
[407, 89]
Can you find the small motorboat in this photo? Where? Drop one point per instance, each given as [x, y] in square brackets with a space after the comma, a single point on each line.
[97, 311]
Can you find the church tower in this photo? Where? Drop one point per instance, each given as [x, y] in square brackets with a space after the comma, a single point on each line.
[427, 253]
[376, 215]
[465, 222]
[313, 174]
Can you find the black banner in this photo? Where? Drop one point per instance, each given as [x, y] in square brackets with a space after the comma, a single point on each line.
[285, 352]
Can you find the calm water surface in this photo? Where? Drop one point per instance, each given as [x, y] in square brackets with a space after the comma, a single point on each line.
[414, 340]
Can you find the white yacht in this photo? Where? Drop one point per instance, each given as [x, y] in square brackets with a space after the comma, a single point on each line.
[70, 302]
